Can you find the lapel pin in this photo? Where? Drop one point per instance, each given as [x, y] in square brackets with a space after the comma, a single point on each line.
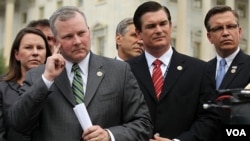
[233, 70]
[179, 68]
[234, 67]
[99, 73]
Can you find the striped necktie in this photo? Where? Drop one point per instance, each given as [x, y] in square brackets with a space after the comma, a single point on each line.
[157, 78]
[77, 84]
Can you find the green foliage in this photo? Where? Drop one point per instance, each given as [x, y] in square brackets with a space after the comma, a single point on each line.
[3, 67]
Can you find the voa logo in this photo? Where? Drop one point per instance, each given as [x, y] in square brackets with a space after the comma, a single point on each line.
[236, 132]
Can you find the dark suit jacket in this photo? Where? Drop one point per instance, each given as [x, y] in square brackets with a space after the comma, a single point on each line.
[179, 113]
[238, 79]
[8, 95]
[113, 100]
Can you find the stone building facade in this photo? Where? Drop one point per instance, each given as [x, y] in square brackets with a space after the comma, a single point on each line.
[189, 34]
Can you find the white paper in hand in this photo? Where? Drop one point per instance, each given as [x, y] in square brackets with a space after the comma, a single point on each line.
[82, 115]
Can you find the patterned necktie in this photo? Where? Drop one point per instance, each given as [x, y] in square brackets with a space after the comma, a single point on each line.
[77, 84]
[220, 73]
[157, 78]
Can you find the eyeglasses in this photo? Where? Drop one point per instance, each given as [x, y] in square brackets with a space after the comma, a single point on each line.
[221, 28]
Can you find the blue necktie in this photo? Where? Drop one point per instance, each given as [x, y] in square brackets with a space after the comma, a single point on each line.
[221, 72]
[77, 84]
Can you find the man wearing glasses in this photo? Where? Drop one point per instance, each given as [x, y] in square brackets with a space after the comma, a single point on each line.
[231, 66]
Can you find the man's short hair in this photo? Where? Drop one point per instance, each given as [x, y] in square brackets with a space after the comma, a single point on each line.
[122, 26]
[40, 22]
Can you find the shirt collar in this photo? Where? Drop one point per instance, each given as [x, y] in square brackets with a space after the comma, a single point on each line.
[229, 59]
[165, 58]
[119, 58]
[83, 65]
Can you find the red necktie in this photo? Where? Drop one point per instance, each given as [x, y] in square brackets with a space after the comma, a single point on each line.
[157, 78]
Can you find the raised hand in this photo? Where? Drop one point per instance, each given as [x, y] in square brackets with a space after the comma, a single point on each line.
[54, 64]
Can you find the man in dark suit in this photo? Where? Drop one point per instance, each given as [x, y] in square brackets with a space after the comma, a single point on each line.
[224, 32]
[177, 112]
[112, 96]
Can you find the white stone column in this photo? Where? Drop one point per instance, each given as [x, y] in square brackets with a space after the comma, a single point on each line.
[181, 33]
[9, 16]
[207, 49]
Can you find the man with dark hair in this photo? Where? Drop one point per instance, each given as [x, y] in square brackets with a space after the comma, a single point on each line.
[175, 86]
[224, 32]
[230, 66]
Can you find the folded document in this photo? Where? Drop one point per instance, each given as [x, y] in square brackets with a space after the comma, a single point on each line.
[82, 115]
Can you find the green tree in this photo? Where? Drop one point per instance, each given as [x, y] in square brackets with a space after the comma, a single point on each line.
[3, 67]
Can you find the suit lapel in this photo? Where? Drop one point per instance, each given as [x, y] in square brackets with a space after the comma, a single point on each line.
[95, 76]
[141, 71]
[212, 69]
[63, 84]
[233, 70]
[176, 68]
[213, 64]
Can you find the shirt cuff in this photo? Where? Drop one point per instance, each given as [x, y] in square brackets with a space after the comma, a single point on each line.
[47, 82]
[112, 138]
